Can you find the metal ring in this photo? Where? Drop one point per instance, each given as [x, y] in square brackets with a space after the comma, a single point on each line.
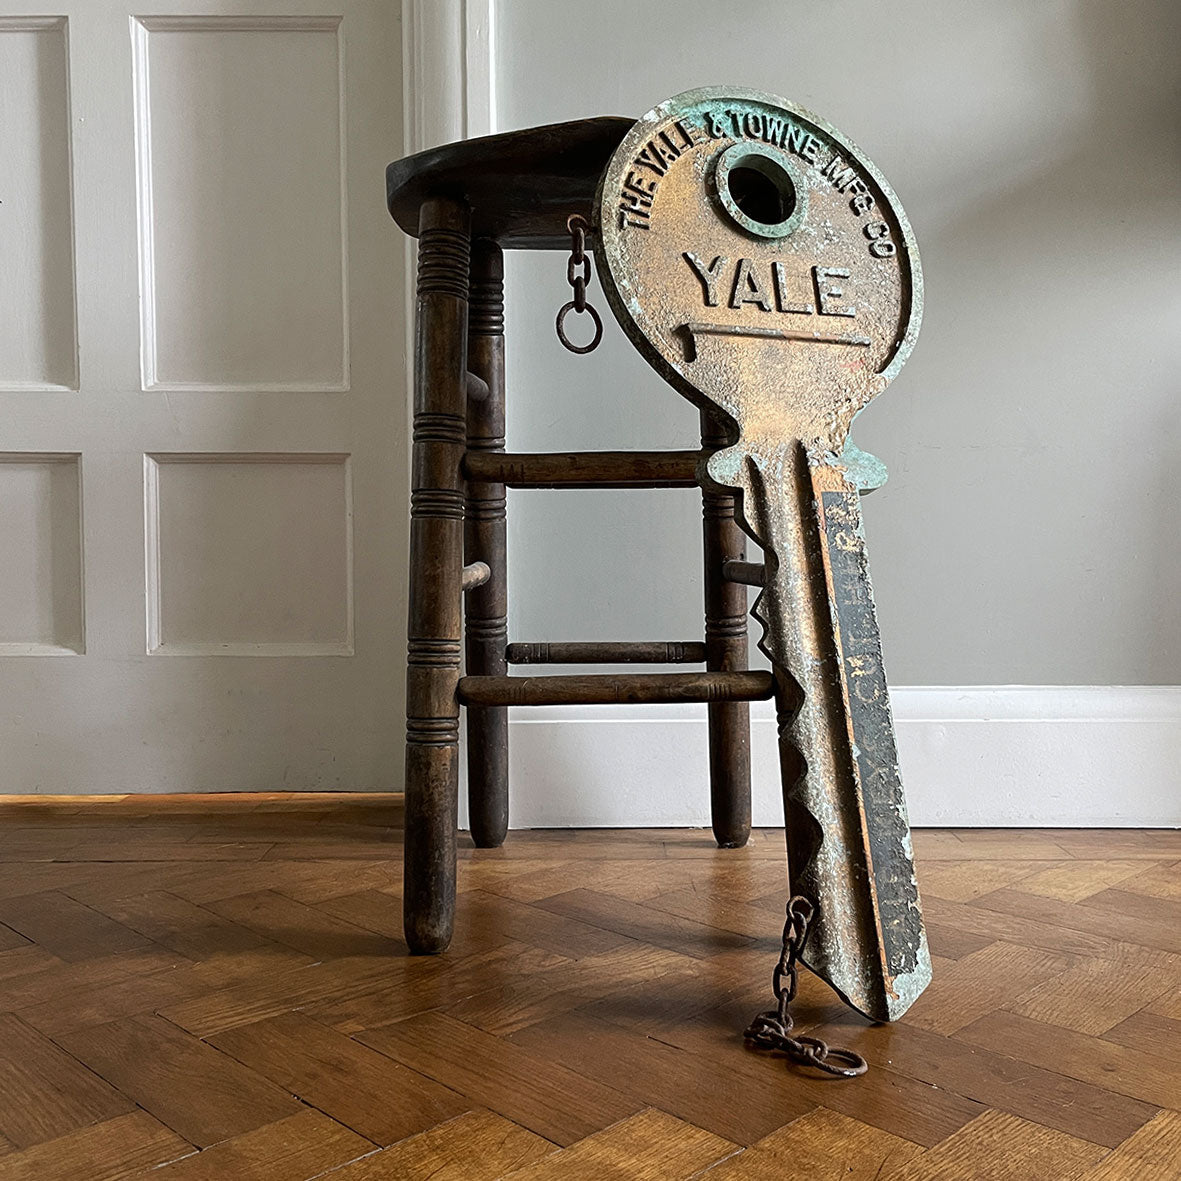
[776, 168]
[579, 348]
[817, 1053]
[801, 908]
[857, 1065]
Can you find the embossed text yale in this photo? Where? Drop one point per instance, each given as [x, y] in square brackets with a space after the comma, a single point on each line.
[764, 267]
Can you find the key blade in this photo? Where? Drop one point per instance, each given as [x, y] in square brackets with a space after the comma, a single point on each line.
[849, 847]
[889, 919]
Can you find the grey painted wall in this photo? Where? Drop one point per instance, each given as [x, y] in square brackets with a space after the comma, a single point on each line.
[1029, 532]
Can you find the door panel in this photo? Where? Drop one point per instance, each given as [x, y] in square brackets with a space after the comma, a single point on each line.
[202, 467]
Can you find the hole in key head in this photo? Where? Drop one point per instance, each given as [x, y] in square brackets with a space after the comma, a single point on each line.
[762, 190]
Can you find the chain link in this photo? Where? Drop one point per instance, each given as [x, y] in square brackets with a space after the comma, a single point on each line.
[772, 1030]
[578, 280]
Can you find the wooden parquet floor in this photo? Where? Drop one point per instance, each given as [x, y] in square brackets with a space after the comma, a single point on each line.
[216, 988]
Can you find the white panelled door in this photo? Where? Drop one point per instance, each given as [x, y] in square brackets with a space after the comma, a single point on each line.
[202, 397]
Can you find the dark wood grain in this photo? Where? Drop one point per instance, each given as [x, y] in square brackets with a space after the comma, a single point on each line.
[608, 652]
[726, 651]
[485, 540]
[436, 571]
[358, 1087]
[125, 1146]
[530, 1089]
[523, 185]
[296, 925]
[302, 1146]
[586, 469]
[607, 689]
[44, 1093]
[746, 573]
[478, 1146]
[193, 931]
[586, 1020]
[68, 929]
[708, 1095]
[184, 1083]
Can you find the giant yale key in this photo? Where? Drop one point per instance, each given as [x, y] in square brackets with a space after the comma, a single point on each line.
[764, 267]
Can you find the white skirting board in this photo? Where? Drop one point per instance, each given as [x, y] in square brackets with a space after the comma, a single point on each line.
[975, 756]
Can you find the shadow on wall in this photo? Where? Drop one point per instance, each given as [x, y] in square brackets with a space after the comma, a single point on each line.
[1040, 445]
[1033, 437]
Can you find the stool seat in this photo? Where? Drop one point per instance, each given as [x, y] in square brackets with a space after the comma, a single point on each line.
[521, 186]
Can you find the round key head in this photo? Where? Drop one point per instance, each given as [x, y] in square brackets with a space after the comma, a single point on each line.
[759, 261]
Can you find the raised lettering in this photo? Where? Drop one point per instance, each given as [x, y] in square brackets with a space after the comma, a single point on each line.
[827, 293]
[810, 150]
[673, 150]
[646, 159]
[841, 175]
[773, 130]
[637, 191]
[747, 288]
[635, 200]
[779, 278]
[661, 153]
[878, 234]
[707, 274]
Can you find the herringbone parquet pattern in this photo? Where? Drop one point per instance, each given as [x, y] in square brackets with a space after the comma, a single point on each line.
[216, 988]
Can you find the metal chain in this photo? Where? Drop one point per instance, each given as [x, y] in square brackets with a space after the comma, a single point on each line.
[772, 1030]
[578, 275]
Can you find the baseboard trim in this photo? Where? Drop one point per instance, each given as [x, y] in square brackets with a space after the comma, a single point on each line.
[972, 756]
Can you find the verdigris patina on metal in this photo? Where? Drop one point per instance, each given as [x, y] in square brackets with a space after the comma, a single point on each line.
[764, 267]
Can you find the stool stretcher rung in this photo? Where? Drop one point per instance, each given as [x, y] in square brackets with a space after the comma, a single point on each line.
[749, 573]
[644, 652]
[475, 574]
[584, 469]
[626, 689]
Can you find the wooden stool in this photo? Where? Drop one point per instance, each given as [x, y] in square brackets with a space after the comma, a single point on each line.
[464, 202]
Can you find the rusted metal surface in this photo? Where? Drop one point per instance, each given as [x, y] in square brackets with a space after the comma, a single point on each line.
[764, 267]
[773, 1029]
[578, 275]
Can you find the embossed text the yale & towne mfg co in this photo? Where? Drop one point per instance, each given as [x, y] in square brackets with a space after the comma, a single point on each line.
[641, 184]
[769, 287]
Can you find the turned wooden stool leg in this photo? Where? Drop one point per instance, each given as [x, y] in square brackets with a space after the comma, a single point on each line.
[726, 651]
[436, 566]
[486, 607]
